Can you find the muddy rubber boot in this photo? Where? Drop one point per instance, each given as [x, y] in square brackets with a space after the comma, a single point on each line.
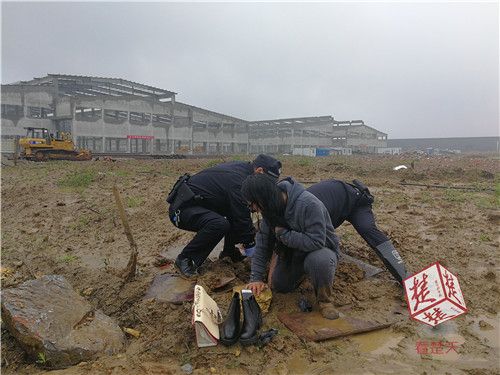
[325, 303]
[252, 320]
[392, 260]
[229, 330]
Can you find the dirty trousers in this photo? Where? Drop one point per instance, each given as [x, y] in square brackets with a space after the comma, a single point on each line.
[319, 265]
[363, 221]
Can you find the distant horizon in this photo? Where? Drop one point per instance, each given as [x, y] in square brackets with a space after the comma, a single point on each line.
[273, 118]
[486, 136]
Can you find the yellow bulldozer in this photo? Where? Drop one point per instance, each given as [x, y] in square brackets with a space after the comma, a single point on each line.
[41, 145]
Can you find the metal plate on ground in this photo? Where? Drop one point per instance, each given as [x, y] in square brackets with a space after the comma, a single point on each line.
[222, 281]
[313, 327]
[368, 269]
[171, 288]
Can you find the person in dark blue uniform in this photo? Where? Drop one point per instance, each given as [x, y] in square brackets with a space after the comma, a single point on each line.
[353, 203]
[210, 203]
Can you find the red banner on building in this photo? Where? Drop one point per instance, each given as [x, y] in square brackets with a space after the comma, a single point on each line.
[140, 137]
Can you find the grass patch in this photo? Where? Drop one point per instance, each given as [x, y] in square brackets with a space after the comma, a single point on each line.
[232, 363]
[41, 359]
[167, 173]
[497, 193]
[121, 173]
[398, 198]
[78, 180]
[426, 197]
[483, 237]
[68, 258]
[488, 202]
[239, 158]
[134, 201]
[304, 161]
[452, 195]
[212, 163]
[82, 222]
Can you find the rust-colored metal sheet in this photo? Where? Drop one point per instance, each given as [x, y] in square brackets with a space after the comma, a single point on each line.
[222, 281]
[167, 287]
[313, 327]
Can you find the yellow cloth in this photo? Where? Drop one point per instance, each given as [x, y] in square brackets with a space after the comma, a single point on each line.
[263, 299]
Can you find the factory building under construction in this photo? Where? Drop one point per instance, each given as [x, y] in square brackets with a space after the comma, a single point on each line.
[110, 115]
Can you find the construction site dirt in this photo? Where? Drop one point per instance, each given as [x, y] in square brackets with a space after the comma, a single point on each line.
[60, 218]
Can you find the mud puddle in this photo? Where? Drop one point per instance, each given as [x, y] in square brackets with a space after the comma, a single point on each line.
[377, 342]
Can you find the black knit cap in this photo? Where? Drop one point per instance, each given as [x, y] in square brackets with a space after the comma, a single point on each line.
[270, 165]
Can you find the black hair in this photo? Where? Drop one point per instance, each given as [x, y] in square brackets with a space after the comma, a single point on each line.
[262, 190]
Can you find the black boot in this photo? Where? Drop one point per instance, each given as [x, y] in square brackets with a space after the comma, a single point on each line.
[229, 330]
[234, 254]
[392, 260]
[252, 320]
[186, 267]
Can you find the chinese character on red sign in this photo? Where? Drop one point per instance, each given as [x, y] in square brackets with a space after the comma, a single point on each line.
[420, 291]
[450, 284]
[436, 316]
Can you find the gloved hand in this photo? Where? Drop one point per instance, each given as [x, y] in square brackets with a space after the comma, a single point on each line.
[249, 251]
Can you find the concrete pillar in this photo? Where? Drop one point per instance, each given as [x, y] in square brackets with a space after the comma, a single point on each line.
[167, 136]
[221, 138]
[150, 132]
[129, 148]
[172, 109]
[248, 139]
[190, 125]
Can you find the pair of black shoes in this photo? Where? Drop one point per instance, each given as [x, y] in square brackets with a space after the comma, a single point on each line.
[230, 330]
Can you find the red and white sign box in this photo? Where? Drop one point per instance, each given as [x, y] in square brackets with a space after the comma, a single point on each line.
[434, 295]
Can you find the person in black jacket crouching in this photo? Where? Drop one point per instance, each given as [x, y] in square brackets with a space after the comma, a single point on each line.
[210, 204]
[353, 203]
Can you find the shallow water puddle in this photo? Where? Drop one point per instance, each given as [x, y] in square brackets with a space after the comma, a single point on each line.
[377, 342]
[442, 343]
[298, 363]
[486, 329]
[170, 288]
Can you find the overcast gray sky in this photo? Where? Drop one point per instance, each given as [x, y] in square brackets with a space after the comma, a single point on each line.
[409, 69]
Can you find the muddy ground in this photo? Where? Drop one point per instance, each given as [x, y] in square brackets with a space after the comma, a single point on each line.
[60, 218]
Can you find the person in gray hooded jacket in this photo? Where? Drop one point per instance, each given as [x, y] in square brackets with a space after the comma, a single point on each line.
[297, 226]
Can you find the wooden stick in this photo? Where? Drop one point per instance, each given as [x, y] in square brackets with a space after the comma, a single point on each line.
[447, 187]
[129, 271]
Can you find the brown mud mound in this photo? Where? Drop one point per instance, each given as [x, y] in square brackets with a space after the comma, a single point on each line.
[60, 218]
